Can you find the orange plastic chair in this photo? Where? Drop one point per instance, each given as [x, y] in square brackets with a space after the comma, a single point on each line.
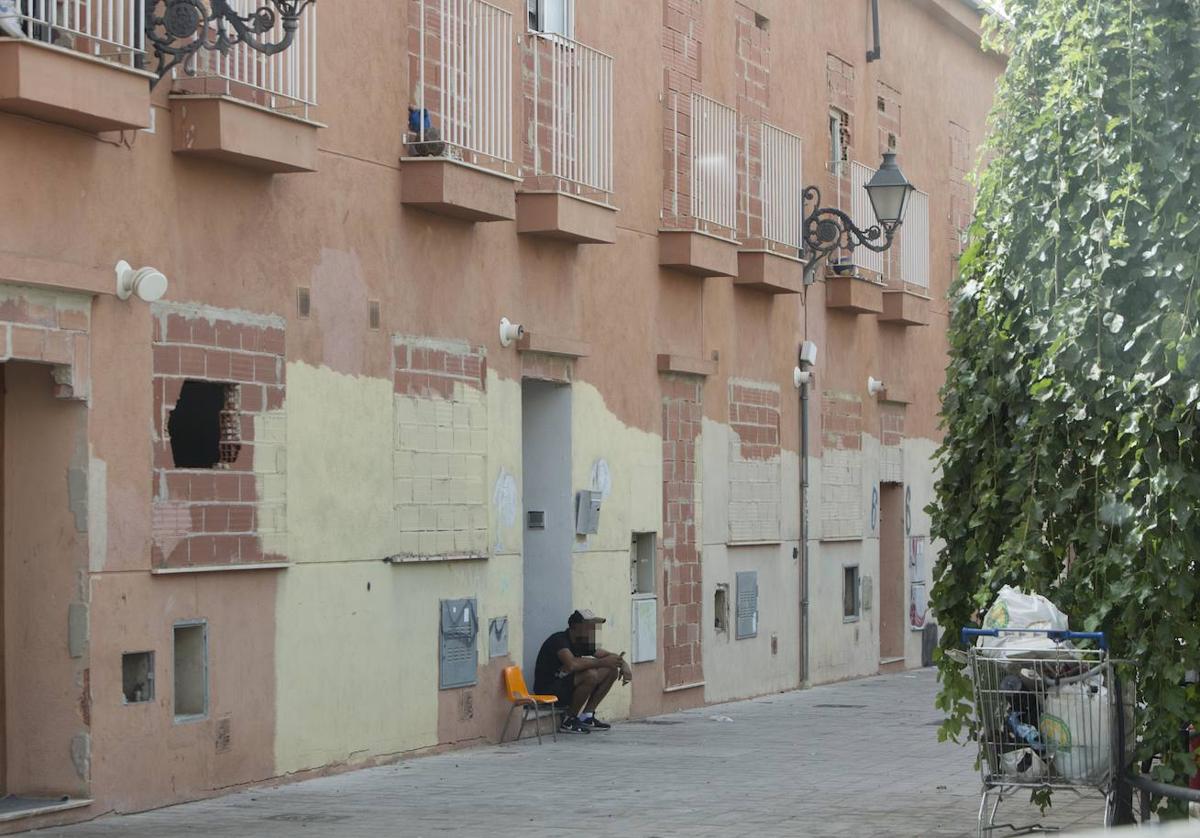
[519, 695]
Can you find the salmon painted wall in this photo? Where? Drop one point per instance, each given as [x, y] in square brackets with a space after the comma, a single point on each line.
[332, 659]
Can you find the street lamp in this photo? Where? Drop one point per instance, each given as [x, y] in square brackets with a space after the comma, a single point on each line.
[827, 229]
[179, 29]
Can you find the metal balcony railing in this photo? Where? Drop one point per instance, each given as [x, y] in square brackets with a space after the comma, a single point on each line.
[464, 81]
[109, 29]
[863, 216]
[572, 113]
[284, 82]
[914, 241]
[702, 182]
[782, 187]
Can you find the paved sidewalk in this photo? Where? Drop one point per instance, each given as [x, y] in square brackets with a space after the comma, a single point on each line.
[853, 759]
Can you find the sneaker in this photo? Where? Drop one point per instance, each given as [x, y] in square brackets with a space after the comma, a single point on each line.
[595, 724]
[570, 724]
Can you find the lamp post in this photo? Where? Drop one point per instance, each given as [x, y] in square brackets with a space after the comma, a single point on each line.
[827, 229]
[178, 29]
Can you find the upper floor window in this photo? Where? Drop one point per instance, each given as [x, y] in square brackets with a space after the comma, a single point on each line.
[555, 17]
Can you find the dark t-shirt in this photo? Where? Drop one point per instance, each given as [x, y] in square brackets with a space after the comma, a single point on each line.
[548, 665]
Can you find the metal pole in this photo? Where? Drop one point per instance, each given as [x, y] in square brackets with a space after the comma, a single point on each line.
[804, 533]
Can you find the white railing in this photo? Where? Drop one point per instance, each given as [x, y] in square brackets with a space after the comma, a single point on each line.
[572, 101]
[464, 78]
[286, 81]
[714, 162]
[863, 216]
[914, 241]
[112, 29]
[783, 186]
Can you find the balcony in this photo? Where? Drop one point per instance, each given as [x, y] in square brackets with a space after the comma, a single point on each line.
[770, 259]
[249, 109]
[700, 223]
[73, 63]
[459, 148]
[568, 99]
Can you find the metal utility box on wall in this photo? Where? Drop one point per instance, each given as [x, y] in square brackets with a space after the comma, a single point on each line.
[458, 658]
[645, 628]
[587, 512]
[747, 604]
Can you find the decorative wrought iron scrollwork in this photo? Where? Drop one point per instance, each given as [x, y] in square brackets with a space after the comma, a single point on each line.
[177, 30]
[827, 229]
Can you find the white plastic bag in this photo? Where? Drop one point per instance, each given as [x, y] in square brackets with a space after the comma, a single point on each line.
[1014, 609]
[1023, 764]
[1074, 726]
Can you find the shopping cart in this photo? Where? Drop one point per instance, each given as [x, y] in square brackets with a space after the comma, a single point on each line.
[1047, 714]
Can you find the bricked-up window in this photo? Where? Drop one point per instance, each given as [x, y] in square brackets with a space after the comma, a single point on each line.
[839, 141]
[204, 426]
[851, 601]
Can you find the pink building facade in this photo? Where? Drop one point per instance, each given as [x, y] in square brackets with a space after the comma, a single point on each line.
[298, 513]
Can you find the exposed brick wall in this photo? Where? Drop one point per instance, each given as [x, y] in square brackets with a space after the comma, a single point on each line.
[841, 465]
[888, 113]
[681, 39]
[755, 478]
[962, 196]
[753, 75]
[220, 515]
[440, 456]
[839, 90]
[891, 437]
[48, 328]
[682, 592]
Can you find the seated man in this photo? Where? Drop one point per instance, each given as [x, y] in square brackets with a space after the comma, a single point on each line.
[571, 667]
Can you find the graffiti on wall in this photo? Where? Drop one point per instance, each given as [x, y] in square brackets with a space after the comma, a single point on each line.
[918, 599]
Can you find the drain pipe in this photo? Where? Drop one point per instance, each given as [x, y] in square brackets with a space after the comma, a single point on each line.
[802, 376]
[804, 532]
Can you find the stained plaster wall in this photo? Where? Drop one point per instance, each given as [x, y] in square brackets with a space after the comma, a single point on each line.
[736, 668]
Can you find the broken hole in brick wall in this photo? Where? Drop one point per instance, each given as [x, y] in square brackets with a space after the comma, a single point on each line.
[204, 426]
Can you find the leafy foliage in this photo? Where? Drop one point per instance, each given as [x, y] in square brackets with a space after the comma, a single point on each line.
[1071, 458]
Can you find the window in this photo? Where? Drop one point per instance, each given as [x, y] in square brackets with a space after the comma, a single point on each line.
[137, 677]
[204, 426]
[641, 562]
[554, 17]
[191, 671]
[851, 600]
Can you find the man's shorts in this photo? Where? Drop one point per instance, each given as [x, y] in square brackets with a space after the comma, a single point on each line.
[563, 687]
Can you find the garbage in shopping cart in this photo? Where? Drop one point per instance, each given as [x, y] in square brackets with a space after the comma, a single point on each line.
[1046, 699]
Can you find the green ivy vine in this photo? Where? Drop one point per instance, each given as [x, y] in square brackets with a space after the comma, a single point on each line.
[1071, 411]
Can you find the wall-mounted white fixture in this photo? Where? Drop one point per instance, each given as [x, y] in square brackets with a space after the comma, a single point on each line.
[808, 353]
[800, 377]
[510, 331]
[874, 385]
[148, 283]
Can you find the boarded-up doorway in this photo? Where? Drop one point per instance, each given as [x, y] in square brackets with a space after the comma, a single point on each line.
[548, 520]
[891, 576]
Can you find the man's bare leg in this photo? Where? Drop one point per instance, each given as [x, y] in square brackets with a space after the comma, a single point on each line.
[601, 690]
[585, 684]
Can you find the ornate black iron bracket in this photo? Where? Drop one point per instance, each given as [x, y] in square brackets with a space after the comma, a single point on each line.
[178, 29]
[827, 229]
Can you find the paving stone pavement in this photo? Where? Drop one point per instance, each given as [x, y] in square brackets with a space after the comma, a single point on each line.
[859, 758]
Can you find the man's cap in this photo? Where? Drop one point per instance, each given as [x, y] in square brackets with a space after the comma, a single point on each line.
[583, 615]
